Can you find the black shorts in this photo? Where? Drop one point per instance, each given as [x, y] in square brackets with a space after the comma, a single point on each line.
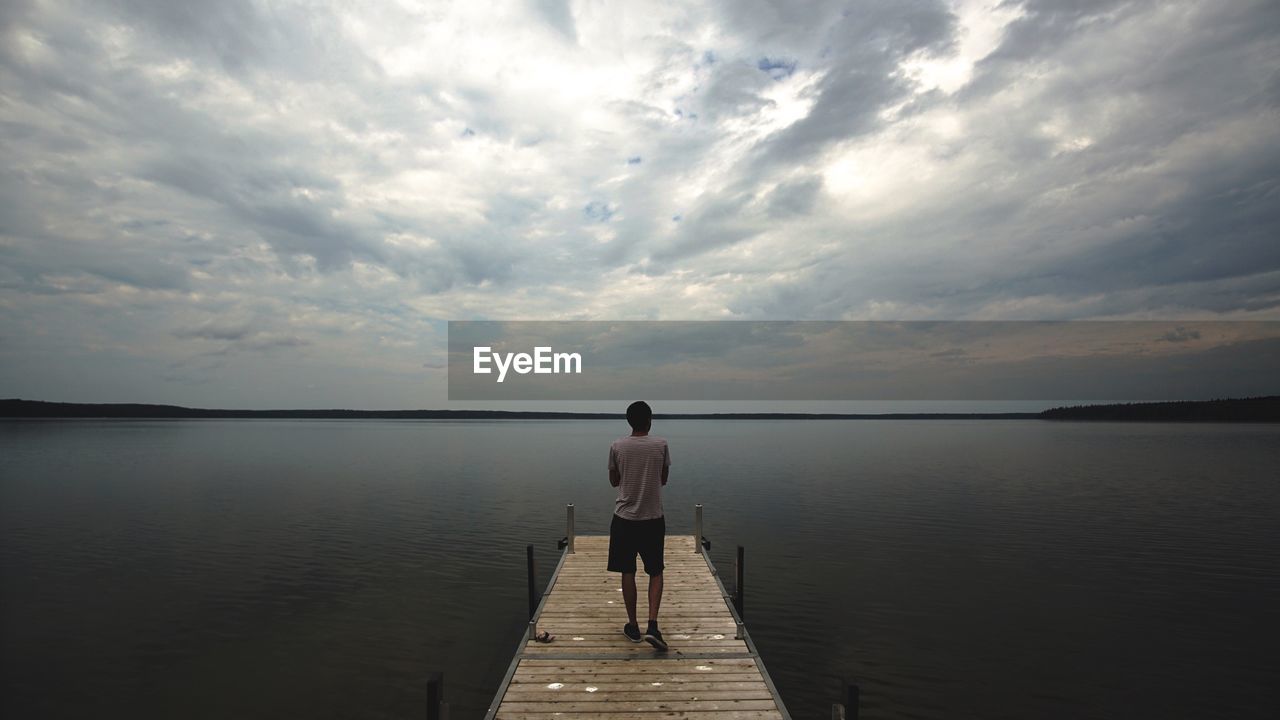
[627, 538]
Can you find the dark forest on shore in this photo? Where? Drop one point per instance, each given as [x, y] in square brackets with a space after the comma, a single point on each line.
[1260, 409]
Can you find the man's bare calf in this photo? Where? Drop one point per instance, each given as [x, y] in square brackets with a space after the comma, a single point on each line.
[629, 596]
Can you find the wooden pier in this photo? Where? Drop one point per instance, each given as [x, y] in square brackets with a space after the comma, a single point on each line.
[591, 671]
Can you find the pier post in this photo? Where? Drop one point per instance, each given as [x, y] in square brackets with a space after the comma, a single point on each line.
[739, 594]
[852, 697]
[848, 710]
[569, 527]
[436, 709]
[533, 580]
[697, 527]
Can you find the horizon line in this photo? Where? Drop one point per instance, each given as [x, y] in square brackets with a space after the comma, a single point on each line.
[1181, 409]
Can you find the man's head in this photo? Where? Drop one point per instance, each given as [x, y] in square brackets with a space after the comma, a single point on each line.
[639, 416]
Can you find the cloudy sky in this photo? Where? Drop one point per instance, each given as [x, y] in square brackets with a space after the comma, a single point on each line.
[237, 204]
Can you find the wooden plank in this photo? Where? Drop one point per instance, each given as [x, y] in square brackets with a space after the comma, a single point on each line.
[639, 705]
[592, 671]
[530, 671]
[680, 715]
[653, 665]
[636, 684]
[681, 647]
[572, 642]
[694, 666]
[595, 636]
[611, 625]
[598, 692]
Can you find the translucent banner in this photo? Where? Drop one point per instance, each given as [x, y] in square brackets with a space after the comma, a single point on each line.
[812, 360]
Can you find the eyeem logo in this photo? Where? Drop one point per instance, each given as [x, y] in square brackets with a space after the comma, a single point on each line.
[542, 362]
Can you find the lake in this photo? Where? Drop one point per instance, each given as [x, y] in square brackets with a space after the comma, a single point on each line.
[956, 568]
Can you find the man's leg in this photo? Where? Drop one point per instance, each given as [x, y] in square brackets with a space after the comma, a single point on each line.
[655, 597]
[622, 559]
[652, 553]
[629, 595]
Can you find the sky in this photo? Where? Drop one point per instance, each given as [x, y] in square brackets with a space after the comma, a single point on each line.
[238, 204]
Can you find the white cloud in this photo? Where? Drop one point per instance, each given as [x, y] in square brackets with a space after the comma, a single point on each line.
[344, 179]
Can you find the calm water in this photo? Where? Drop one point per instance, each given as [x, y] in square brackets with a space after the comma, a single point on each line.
[984, 569]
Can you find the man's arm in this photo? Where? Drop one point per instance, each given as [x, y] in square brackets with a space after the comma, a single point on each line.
[666, 470]
[615, 477]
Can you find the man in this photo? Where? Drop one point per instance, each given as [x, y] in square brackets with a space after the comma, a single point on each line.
[638, 467]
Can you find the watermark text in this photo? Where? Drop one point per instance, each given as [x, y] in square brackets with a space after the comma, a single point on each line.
[543, 361]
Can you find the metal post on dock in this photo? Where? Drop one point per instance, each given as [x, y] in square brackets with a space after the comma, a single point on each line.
[533, 580]
[848, 710]
[739, 595]
[436, 707]
[569, 527]
[697, 527]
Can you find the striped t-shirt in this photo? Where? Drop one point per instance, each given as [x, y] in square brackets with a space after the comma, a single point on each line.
[639, 460]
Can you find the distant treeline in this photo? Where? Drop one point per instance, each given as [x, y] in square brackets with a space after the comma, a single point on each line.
[1264, 409]
[1259, 409]
[37, 409]
[41, 409]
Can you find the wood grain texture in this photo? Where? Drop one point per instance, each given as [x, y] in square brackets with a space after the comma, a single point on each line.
[592, 671]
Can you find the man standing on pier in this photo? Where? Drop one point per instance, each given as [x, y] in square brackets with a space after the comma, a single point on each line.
[638, 467]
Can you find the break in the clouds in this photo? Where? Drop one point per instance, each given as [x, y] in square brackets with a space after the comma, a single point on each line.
[247, 204]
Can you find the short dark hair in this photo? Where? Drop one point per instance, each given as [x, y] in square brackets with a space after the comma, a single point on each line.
[639, 415]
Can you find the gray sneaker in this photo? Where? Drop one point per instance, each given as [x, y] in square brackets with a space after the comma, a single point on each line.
[632, 632]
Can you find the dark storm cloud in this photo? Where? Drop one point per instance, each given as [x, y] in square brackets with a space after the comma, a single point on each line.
[1145, 212]
[229, 31]
[263, 192]
[244, 172]
[795, 197]
[257, 343]
[269, 182]
[1047, 24]
[720, 221]
[216, 330]
[242, 37]
[138, 266]
[864, 49]
[1218, 210]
